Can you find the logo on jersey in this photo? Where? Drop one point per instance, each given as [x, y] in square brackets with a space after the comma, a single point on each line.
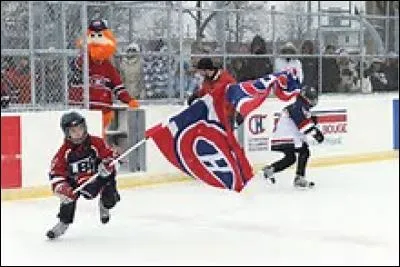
[98, 81]
[82, 166]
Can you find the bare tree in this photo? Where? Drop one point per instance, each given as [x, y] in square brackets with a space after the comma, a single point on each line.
[242, 24]
[294, 27]
[200, 22]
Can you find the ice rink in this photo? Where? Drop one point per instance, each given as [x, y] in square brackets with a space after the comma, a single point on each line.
[350, 217]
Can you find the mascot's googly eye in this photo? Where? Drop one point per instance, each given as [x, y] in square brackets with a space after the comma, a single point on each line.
[94, 35]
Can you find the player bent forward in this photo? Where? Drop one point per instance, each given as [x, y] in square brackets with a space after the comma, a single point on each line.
[290, 137]
[79, 158]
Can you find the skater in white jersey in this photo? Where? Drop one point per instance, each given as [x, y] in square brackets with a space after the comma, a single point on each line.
[289, 137]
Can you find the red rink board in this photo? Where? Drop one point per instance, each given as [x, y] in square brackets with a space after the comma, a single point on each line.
[11, 168]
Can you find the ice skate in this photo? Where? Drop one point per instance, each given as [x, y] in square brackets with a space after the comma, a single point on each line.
[104, 213]
[301, 182]
[58, 230]
[268, 172]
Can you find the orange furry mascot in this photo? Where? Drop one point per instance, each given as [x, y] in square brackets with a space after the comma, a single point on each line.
[104, 79]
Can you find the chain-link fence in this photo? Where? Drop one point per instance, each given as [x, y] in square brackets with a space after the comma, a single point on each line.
[346, 47]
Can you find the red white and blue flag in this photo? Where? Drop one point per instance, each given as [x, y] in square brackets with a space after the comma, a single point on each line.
[247, 96]
[199, 141]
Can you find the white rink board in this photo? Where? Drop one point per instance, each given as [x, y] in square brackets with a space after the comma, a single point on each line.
[369, 126]
[156, 162]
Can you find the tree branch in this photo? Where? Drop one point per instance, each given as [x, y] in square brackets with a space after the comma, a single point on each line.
[190, 13]
[206, 21]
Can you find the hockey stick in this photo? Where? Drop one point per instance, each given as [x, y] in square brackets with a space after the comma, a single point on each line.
[129, 150]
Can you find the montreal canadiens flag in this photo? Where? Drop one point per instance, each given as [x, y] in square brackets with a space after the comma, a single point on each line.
[200, 142]
[247, 96]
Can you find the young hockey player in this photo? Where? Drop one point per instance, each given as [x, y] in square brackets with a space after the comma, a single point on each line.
[289, 137]
[79, 158]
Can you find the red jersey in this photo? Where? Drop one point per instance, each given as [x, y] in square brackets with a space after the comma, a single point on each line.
[76, 163]
[218, 84]
[104, 82]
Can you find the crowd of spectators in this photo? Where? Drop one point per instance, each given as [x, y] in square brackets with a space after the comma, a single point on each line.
[340, 69]
[149, 76]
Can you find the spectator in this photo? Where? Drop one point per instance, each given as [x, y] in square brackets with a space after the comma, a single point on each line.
[377, 75]
[366, 86]
[310, 65]
[391, 70]
[253, 67]
[216, 81]
[237, 65]
[131, 69]
[5, 97]
[347, 72]
[18, 80]
[330, 71]
[282, 63]
[191, 80]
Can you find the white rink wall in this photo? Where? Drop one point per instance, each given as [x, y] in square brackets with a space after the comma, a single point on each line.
[156, 163]
[367, 127]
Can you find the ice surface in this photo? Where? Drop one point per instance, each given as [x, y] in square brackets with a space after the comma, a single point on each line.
[350, 217]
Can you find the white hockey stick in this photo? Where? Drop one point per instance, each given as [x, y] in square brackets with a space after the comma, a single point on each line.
[129, 150]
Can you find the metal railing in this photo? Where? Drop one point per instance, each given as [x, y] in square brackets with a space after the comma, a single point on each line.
[38, 46]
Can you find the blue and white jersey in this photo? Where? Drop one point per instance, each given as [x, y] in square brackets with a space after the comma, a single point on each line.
[294, 122]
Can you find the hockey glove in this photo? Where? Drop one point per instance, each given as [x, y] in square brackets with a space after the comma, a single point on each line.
[65, 192]
[318, 135]
[314, 119]
[133, 103]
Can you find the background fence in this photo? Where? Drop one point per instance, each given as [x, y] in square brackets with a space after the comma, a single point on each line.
[344, 47]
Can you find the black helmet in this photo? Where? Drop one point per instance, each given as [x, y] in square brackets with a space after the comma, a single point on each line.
[205, 64]
[310, 94]
[71, 119]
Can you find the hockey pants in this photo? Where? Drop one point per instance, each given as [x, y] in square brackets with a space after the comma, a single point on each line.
[109, 196]
[290, 157]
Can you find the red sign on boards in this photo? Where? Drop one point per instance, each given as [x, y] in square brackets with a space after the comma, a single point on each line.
[11, 168]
